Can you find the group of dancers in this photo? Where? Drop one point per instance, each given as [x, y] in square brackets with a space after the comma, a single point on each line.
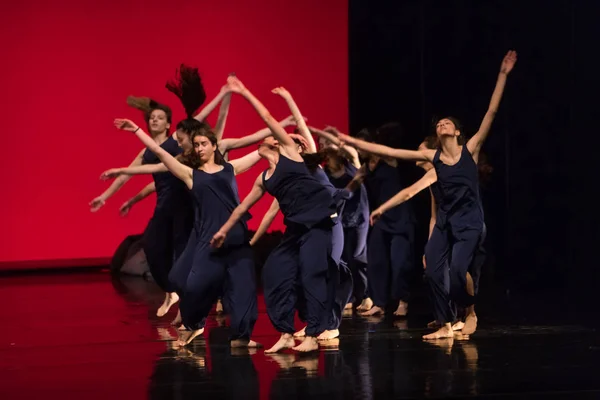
[349, 231]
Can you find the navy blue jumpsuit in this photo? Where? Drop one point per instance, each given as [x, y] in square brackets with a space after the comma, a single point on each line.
[202, 272]
[305, 252]
[169, 228]
[390, 244]
[355, 221]
[456, 235]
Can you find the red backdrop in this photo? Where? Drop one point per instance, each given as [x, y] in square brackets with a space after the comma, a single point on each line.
[68, 67]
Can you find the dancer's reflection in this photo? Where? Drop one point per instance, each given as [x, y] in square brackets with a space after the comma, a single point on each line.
[206, 366]
[455, 371]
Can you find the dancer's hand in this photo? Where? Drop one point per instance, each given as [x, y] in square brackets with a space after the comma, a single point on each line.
[111, 173]
[125, 124]
[97, 203]
[218, 240]
[508, 63]
[331, 129]
[125, 208]
[375, 216]
[282, 92]
[424, 262]
[235, 85]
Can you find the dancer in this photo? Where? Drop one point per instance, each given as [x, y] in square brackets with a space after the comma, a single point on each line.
[430, 180]
[200, 273]
[341, 168]
[459, 223]
[305, 250]
[390, 240]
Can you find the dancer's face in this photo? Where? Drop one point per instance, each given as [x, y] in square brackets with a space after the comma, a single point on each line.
[426, 165]
[158, 121]
[269, 146]
[446, 127]
[183, 140]
[204, 148]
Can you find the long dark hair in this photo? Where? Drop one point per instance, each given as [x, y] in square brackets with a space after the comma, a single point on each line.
[187, 85]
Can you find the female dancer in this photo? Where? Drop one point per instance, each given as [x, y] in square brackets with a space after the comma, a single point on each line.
[459, 223]
[390, 241]
[430, 180]
[341, 168]
[199, 275]
[305, 251]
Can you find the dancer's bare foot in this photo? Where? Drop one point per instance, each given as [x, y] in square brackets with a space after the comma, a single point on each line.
[177, 321]
[330, 344]
[458, 326]
[170, 299]
[182, 328]
[402, 309]
[186, 338]
[366, 305]
[300, 333]
[245, 343]
[328, 335]
[308, 344]
[375, 310]
[219, 307]
[348, 306]
[286, 341]
[443, 333]
[470, 323]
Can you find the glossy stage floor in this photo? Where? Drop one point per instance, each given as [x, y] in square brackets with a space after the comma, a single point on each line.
[89, 336]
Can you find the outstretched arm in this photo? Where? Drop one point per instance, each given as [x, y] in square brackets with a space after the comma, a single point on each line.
[181, 171]
[145, 192]
[312, 146]
[286, 144]
[99, 201]
[236, 143]
[137, 170]
[385, 151]
[474, 144]
[405, 195]
[266, 222]
[244, 163]
[255, 194]
[205, 112]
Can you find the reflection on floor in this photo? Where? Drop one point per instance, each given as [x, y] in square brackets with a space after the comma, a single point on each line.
[87, 335]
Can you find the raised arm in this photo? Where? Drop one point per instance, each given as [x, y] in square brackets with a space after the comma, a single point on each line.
[286, 144]
[222, 118]
[255, 194]
[205, 112]
[243, 164]
[302, 128]
[145, 192]
[332, 138]
[385, 151]
[474, 144]
[236, 143]
[136, 170]
[404, 195]
[266, 222]
[181, 171]
[99, 201]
